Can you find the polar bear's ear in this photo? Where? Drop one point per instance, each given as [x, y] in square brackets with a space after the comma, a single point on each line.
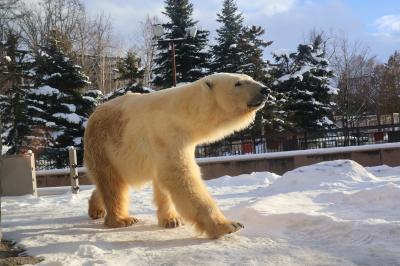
[209, 84]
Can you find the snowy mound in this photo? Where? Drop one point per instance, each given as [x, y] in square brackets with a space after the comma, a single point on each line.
[329, 174]
[383, 195]
[331, 213]
[253, 179]
[383, 170]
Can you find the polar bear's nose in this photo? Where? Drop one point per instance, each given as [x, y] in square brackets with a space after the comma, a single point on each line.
[265, 90]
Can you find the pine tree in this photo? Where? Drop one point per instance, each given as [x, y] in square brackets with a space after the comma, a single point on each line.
[277, 117]
[226, 53]
[132, 73]
[14, 76]
[190, 54]
[304, 78]
[91, 99]
[251, 52]
[125, 90]
[251, 47]
[59, 85]
[129, 69]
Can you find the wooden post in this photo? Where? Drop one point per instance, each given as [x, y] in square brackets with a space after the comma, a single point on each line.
[73, 166]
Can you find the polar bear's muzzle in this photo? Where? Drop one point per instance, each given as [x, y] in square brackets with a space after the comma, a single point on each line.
[260, 98]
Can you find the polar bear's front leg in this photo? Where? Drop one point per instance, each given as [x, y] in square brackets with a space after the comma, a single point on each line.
[182, 179]
[166, 212]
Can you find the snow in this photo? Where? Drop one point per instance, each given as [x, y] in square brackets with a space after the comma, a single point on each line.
[71, 117]
[45, 90]
[35, 108]
[330, 213]
[71, 107]
[296, 75]
[5, 149]
[90, 99]
[77, 141]
[332, 90]
[55, 134]
[47, 77]
[38, 119]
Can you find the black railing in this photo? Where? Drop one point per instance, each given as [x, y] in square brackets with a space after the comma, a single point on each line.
[243, 144]
[51, 158]
[288, 141]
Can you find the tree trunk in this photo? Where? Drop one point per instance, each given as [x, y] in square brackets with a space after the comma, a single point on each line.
[1, 164]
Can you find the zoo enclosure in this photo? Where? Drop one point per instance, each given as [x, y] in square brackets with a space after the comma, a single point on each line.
[246, 144]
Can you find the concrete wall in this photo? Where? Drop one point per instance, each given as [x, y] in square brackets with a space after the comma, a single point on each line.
[17, 175]
[278, 163]
[60, 180]
[390, 157]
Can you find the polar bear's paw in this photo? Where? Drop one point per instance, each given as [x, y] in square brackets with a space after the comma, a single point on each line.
[96, 213]
[171, 222]
[114, 222]
[222, 229]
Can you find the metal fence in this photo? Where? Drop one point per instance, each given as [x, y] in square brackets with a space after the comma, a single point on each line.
[50, 158]
[288, 141]
[242, 144]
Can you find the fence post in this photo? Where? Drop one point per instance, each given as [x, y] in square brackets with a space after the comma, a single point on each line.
[73, 166]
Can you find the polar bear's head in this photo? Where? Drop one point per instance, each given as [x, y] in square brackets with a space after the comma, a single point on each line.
[236, 92]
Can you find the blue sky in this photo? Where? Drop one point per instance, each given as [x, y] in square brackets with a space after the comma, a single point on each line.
[374, 23]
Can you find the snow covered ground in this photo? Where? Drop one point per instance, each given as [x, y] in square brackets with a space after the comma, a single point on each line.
[331, 213]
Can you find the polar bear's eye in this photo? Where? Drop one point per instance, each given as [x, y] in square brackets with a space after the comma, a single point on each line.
[238, 83]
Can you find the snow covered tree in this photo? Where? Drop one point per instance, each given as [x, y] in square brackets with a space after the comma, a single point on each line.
[251, 45]
[304, 79]
[124, 90]
[14, 77]
[251, 52]
[58, 93]
[130, 70]
[191, 56]
[226, 53]
[91, 99]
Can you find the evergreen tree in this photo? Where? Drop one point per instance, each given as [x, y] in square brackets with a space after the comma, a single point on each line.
[129, 69]
[226, 53]
[91, 99]
[251, 47]
[304, 79]
[58, 93]
[190, 54]
[14, 77]
[251, 52]
[277, 117]
[124, 90]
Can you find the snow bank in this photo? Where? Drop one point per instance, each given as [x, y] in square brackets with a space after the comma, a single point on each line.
[330, 213]
[323, 175]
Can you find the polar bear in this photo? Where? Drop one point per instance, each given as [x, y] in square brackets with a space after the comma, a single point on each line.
[137, 138]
